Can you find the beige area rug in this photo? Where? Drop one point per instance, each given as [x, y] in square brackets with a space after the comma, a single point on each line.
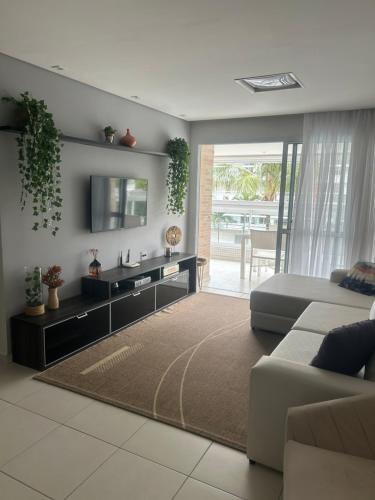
[188, 366]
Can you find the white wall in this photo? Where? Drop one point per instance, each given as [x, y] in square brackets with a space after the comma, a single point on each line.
[236, 131]
[82, 111]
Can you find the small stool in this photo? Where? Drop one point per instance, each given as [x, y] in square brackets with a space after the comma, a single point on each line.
[201, 263]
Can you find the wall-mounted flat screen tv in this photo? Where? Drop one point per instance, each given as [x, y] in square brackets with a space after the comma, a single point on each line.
[117, 203]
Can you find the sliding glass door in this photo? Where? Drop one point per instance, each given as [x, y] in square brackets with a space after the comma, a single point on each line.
[289, 178]
[246, 195]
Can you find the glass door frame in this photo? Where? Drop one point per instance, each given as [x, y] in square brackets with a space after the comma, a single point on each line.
[287, 230]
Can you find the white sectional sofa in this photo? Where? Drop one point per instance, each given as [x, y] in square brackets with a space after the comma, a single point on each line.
[309, 308]
[277, 303]
[330, 450]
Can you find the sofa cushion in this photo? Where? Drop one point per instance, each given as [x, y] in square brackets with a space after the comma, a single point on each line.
[361, 278]
[322, 317]
[289, 295]
[312, 473]
[298, 346]
[337, 275]
[347, 349]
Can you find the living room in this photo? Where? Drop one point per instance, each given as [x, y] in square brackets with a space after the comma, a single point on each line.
[130, 367]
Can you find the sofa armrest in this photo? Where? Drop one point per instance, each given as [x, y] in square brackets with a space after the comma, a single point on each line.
[343, 425]
[277, 385]
[337, 275]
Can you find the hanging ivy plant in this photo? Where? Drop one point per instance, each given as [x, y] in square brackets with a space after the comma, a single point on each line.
[178, 175]
[39, 162]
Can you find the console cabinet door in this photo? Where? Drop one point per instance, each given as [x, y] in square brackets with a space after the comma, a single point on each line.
[172, 289]
[71, 335]
[133, 307]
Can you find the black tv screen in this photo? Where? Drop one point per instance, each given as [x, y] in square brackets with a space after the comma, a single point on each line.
[117, 203]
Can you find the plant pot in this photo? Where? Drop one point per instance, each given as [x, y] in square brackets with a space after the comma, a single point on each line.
[128, 139]
[53, 299]
[34, 310]
[33, 291]
[109, 138]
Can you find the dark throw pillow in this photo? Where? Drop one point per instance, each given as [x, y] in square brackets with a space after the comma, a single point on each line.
[347, 349]
[361, 278]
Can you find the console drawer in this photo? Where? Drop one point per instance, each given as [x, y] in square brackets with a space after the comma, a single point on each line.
[72, 334]
[172, 289]
[131, 308]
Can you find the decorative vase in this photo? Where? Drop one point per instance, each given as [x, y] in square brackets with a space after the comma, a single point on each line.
[109, 138]
[128, 139]
[34, 292]
[95, 268]
[53, 299]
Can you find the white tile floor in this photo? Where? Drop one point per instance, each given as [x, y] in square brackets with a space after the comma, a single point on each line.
[56, 444]
[225, 278]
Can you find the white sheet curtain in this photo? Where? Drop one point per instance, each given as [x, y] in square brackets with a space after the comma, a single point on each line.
[334, 212]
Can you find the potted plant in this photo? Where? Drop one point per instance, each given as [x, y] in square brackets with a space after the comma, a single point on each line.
[52, 279]
[109, 133]
[178, 175]
[39, 161]
[33, 292]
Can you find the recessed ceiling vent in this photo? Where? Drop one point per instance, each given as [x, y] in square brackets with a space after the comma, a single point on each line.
[266, 83]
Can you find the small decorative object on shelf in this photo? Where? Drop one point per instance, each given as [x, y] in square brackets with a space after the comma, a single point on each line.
[34, 292]
[128, 139]
[109, 133]
[95, 267]
[52, 279]
[168, 252]
[173, 237]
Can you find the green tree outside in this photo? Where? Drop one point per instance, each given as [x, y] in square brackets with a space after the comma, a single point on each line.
[261, 184]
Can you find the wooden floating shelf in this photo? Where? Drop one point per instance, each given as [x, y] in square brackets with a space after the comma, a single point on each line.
[96, 144]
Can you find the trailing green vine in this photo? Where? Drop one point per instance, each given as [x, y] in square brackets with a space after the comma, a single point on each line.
[178, 175]
[39, 162]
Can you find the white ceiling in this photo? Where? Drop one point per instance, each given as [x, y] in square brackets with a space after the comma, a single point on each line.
[181, 56]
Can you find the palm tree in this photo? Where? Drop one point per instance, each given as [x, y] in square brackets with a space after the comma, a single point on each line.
[263, 184]
[246, 186]
[224, 176]
[236, 179]
[270, 180]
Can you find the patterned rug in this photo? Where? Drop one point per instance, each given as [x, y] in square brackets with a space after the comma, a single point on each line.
[187, 366]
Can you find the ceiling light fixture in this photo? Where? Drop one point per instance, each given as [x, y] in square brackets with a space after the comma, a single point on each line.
[57, 67]
[266, 83]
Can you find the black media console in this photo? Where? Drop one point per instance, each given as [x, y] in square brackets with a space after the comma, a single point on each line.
[106, 306]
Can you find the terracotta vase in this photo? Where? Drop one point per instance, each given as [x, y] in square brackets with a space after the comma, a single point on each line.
[53, 299]
[128, 139]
